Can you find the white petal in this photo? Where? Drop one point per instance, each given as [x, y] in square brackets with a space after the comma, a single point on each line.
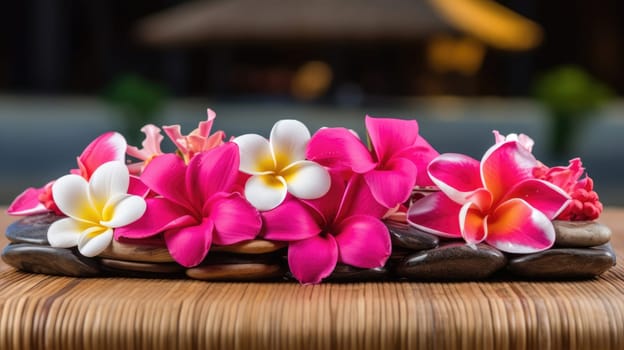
[94, 241]
[289, 139]
[109, 180]
[71, 195]
[255, 154]
[64, 233]
[265, 192]
[123, 210]
[307, 180]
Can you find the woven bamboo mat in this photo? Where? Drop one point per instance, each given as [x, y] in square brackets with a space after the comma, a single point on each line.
[44, 312]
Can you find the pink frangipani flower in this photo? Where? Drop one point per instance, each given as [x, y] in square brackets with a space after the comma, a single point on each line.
[396, 163]
[497, 200]
[151, 148]
[198, 140]
[110, 146]
[522, 139]
[342, 226]
[196, 205]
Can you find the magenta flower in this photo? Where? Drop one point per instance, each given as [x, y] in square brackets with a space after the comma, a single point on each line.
[396, 163]
[497, 200]
[585, 203]
[196, 205]
[198, 140]
[342, 226]
[110, 146]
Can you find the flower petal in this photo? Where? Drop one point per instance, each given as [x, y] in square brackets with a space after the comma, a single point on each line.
[71, 195]
[516, 227]
[205, 126]
[109, 180]
[290, 221]
[256, 157]
[393, 184]
[265, 192]
[235, 220]
[288, 140]
[359, 200]
[94, 240]
[457, 175]
[166, 175]
[541, 195]
[189, 245]
[160, 215]
[390, 136]
[306, 179]
[421, 154]
[175, 135]
[436, 214]
[27, 203]
[310, 260]
[339, 149]
[327, 207]
[504, 165]
[137, 187]
[472, 224]
[151, 143]
[212, 172]
[64, 233]
[363, 241]
[123, 210]
[107, 147]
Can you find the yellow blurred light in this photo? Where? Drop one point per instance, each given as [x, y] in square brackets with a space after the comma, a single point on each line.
[448, 54]
[311, 80]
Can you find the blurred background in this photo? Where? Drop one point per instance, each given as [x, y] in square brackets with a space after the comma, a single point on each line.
[72, 69]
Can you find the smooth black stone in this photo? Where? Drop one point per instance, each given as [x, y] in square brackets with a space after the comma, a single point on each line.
[31, 229]
[220, 258]
[49, 260]
[406, 236]
[346, 273]
[452, 262]
[563, 263]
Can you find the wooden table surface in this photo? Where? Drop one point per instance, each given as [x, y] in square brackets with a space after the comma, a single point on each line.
[45, 312]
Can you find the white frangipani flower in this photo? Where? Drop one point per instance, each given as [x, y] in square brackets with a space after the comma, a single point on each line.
[278, 166]
[94, 208]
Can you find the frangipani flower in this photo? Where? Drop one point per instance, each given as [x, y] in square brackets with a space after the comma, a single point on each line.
[110, 146]
[498, 200]
[94, 208]
[151, 148]
[278, 166]
[397, 162]
[196, 204]
[344, 226]
[198, 140]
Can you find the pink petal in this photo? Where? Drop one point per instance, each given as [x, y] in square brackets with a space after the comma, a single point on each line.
[107, 147]
[393, 184]
[363, 241]
[212, 171]
[189, 245]
[436, 214]
[235, 220]
[27, 203]
[151, 143]
[327, 206]
[166, 175]
[160, 215]
[472, 224]
[359, 200]
[541, 195]
[310, 260]
[421, 154]
[339, 149]
[175, 135]
[205, 126]
[291, 221]
[137, 187]
[457, 175]
[390, 136]
[516, 227]
[504, 165]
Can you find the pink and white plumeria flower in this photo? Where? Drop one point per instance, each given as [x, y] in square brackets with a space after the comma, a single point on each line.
[343, 226]
[94, 208]
[278, 166]
[397, 161]
[197, 205]
[497, 200]
[198, 140]
[110, 146]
